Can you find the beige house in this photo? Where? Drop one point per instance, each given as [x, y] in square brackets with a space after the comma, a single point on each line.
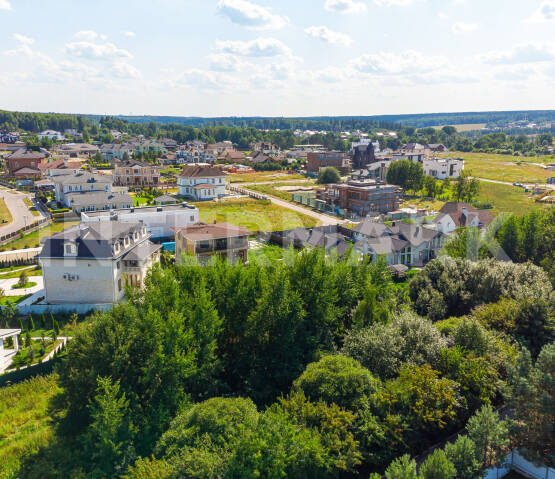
[207, 240]
[136, 174]
[90, 263]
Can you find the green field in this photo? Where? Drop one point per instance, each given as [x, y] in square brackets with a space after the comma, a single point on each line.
[464, 127]
[263, 176]
[254, 215]
[32, 240]
[505, 167]
[5, 215]
[271, 189]
[507, 198]
[24, 421]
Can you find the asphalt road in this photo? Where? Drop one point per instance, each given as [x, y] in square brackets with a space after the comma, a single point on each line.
[21, 214]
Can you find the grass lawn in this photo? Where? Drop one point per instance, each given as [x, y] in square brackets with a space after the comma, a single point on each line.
[28, 284]
[263, 176]
[25, 424]
[31, 206]
[36, 271]
[271, 189]
[5, 215]
[420, 202]
[504, 167]
[40, 351]
[507, 198]
[266, 254]
[254, 215]
[13, 299]
[32, 240]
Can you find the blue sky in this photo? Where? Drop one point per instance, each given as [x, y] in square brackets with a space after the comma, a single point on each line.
[270, 57]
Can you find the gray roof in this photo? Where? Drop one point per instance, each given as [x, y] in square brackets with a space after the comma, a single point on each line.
[86, 198]
[372, 229]
[93, 240]
[142, 251]
[82, 178]
[414, 234]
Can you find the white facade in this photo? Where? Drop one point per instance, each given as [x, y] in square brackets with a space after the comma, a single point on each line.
[443, 168]
[51, 135]
[200, 188]
[159, 221]
[75, 184]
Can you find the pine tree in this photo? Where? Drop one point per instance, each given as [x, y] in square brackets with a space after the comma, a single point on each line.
[437, 466]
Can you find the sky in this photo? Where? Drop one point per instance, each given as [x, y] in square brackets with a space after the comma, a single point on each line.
[276, 57]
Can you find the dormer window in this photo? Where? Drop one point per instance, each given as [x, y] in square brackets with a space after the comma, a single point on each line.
[116, 247]
[126, 241]
[70, 249]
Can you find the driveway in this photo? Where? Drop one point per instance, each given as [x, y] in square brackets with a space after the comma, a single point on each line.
[529, 185]
[6, 285]
[21, 214]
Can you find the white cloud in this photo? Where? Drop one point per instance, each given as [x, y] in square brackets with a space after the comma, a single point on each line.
[329, 36]
[461, 27]
[260, 47]
[125, 71]
[443, 15]
[345, 6]
[395, 63]
[394, 3]
[23, 39]
[129, 34]
[544, 13]
[523, 53]
[5, 5]
[96, 51]
[205, 80]
[224, 62]
[251, 15]
[89, 35]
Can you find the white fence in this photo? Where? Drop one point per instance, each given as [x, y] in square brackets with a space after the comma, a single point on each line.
[517, 463]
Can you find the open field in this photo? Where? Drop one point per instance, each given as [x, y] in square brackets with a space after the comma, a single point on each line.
[465, 127]
[274, 191]
[419, 202]
[507, 198]
[255, 215]
[24, 421]
[32, 240]
[504, 167]
[263, 176]
[5, 214]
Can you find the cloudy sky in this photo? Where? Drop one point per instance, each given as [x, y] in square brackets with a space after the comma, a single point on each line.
[276, 57]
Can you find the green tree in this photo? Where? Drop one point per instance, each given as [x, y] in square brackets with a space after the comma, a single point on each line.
[531, 397]
[337, 379]
[490, 435]
[328, 175]
[23, 279]
[109, 435]
[402, 468]
[437, 466]
[462, 453]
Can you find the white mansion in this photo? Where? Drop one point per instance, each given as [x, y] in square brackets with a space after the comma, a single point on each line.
[202, 183]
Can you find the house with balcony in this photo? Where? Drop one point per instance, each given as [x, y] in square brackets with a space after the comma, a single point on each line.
[136, 174]
[90, 263]
[202, 183]
[217, 239]
[442, 168]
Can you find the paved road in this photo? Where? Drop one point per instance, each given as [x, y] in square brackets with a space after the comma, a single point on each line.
[324, 219]
[6, 285]
[530, 185]
[21, 213]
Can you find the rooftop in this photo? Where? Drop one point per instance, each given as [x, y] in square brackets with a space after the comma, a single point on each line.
[204, 231]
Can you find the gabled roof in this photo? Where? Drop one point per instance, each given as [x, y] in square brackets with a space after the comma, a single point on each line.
[196, 171]
[24, 153]
[456, 211]
[372, 229]
[414, 234]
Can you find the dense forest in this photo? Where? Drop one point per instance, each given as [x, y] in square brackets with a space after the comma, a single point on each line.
[310, 367]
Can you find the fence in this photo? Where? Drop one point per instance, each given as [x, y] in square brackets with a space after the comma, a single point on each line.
[22, 231]
[517, 463]
[40, 369]
[244, 191]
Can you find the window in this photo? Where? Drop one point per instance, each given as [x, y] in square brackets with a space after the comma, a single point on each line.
[119, 284]
[118, 265]
[69, 249]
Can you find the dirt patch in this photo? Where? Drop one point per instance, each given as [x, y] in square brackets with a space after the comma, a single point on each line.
[293, 188]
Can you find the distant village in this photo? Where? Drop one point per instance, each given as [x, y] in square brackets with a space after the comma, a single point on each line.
[116, 236]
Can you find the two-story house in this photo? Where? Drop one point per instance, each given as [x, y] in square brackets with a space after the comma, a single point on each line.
[89, 192]
[207, 240]
[89, 263]
[136, 174]
[24, 163]
[202, 182]
[115, 151]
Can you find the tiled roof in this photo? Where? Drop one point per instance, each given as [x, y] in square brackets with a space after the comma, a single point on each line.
[196, 171]
[204, 231]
